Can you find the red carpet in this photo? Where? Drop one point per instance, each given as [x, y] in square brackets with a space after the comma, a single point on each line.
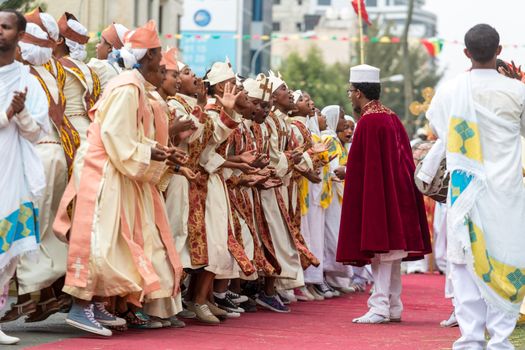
[310, 325]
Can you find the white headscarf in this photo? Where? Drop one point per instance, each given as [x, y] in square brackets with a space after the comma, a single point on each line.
[51, 25]
[313, 125]
[332, 118]
[350, 119]
[130, 56]
[76, 51]
[32, 53]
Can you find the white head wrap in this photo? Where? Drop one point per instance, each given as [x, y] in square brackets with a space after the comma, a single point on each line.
[296, 95]
[332, 118]
[35, 55]
[313, 125]
[131, 56]
[350, 119]
[76, 51]
[51, 25]
[121, 31]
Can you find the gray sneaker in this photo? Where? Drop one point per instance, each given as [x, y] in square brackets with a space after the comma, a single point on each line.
[176, 323]
[84, 318]
[105, 318]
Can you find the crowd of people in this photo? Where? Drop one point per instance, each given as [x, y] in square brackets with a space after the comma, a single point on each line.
[139, 195]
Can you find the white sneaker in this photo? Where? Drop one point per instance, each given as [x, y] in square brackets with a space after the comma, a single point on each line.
[451, 322]
[7, 340]
[288, 295]
[314, 292]
[303, 294]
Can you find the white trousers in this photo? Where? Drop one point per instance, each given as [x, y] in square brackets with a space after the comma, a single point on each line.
[475, 316]
[386, 299]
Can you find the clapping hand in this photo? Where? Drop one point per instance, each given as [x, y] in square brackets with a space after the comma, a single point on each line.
[17, 104]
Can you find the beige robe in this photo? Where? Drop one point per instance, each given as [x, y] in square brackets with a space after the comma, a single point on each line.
[105, 71]
[52, 253]
[220, 261]
[124, 188]
[287, 254]
[74, 91]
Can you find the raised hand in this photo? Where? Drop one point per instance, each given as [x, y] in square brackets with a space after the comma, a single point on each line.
[261, 162]
[229, 98]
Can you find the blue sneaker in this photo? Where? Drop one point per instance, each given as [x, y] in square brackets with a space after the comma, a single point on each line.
[271, 302]
[83, 318]
[105, 318]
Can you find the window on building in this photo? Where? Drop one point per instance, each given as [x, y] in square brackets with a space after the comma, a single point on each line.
[400, 2]
[276, 2]
[299, 2]
[371, 3]
[324, 2]
[276, 26]
[257, 10]
[258, 61]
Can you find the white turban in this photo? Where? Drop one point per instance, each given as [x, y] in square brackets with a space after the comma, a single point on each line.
[51, 25]
[76, 51]
[131, 56]
[35, 55]
[332, 118]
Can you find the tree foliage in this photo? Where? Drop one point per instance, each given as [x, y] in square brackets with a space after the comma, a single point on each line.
[21, 5]
[327, 84]
[390, 59]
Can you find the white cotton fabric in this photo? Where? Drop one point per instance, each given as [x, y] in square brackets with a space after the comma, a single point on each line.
[131, 56]
[332, 117]
[76, 50]
[51, 25]
[313, 125]
[35, 55]
[495, 198]
[121, 31]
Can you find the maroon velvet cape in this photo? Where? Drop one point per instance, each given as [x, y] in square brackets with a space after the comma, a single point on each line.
[382, 208]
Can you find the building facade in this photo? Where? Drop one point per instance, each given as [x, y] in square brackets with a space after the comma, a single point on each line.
[97, 14]
[337, 18]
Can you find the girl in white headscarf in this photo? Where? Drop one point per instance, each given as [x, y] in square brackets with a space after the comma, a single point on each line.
[337, 275]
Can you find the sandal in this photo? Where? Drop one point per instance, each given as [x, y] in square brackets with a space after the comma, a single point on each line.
[19, 310]
[132, 320]
[65, 301]
[44, 309]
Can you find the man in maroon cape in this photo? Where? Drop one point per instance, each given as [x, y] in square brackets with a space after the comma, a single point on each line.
[383, 217]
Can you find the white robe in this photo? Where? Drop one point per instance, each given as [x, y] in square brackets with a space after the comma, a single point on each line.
[21, 189]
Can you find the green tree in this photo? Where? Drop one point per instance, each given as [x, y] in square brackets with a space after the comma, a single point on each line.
[21, 5]
[391, 60]
[326, 84]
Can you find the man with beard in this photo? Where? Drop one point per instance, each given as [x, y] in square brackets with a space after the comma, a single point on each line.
[383, 215]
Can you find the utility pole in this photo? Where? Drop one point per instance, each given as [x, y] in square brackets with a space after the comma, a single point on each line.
[407, 69]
